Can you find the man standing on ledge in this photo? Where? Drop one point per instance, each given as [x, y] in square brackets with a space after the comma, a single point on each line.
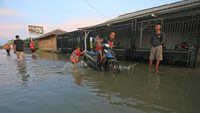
[157, 42]
[18, 45]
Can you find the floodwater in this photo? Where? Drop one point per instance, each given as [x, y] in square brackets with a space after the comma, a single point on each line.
[49, 84]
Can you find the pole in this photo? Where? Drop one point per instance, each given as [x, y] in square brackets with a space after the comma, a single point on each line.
[141, 32]
[85, 39]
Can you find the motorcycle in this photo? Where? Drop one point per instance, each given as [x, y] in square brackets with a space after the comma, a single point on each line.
[108, 63]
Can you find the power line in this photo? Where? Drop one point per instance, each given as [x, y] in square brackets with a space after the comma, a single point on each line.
[95, 9]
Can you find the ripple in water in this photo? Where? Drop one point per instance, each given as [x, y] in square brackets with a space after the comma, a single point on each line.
[69, 67]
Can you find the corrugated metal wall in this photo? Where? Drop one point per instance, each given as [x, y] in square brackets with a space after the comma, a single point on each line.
[71, 40]
[147, 31]
[123, 35]
[176, 30]
[181, 31]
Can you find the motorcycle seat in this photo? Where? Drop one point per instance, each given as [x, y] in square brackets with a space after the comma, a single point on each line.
[91, 53]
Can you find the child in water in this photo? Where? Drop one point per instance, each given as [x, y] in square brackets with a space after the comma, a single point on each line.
[75, 56]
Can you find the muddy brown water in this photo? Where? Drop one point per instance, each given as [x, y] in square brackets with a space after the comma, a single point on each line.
[49, 84]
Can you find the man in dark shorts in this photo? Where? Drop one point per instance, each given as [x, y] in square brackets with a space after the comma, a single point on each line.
[158, 42]
[18, 45]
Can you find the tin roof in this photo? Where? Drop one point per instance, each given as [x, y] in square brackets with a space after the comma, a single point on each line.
[54, 32]
[167, 8]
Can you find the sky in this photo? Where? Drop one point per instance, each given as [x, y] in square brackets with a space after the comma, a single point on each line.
[68, 15]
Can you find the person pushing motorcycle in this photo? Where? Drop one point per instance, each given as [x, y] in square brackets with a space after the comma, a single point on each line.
[108, 62]
[110, 40]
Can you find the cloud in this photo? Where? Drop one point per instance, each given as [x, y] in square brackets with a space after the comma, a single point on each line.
[9, 30]
[4, 37]
[11, 26]
[10, 12]
[5, 34]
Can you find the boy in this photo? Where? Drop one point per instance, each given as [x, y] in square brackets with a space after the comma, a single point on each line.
[75, 55]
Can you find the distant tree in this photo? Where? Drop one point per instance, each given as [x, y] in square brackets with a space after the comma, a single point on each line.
[27, 42]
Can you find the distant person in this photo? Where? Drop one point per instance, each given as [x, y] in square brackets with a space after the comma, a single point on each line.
[7, 47]
[32, 47]
[18, 46]
[75, 56]
[157, 42]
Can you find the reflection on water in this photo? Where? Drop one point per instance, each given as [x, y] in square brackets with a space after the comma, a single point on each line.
[154, 81]
[78, 77]
[164, 92]
[52, 56]
[22, 73]
[52, 87]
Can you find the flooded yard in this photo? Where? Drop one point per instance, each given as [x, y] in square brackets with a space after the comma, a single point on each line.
[49, 84]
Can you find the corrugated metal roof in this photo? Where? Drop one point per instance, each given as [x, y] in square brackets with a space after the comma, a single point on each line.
[54, 32]
[147, 12]
[71, 32]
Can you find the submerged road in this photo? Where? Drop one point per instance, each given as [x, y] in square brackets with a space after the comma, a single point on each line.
[49, 84]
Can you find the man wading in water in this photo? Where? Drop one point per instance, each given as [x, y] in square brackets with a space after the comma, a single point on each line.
[32, 47]
[19, 48]
[157, 42]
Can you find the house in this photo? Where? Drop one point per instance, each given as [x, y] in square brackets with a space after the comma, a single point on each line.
[67, 42]
[180, 21]
[48, 41]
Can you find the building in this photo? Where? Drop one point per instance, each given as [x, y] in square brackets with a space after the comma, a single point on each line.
[180, 21]
[67, 42]
[49, 41]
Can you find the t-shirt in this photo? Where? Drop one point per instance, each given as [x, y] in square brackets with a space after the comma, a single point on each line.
[19, 45]
[75, 56]
[112, 43]
[98, 44]
[6, 46]
[158, 39]
[32, 45]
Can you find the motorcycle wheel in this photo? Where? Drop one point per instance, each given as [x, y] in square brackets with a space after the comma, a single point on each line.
[113, 67]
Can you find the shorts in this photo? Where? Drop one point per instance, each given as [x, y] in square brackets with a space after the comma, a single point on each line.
[32, 50]
[20, 54]
[156, 53]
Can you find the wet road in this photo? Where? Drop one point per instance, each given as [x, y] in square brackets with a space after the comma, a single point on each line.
[49, 84]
